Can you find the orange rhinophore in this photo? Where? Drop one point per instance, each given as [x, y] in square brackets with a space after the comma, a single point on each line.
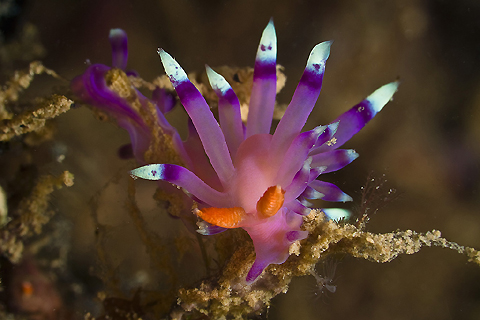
[222, 217]
[271, 201]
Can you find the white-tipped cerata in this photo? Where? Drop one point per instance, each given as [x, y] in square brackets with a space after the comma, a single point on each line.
[173, 70]
[217, 81]
[337, 214]
[318, 56]
[382, 95]
[267, 50]
[149, 172]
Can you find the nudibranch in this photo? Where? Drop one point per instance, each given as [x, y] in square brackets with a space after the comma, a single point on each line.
[110, 90]
[261, 182]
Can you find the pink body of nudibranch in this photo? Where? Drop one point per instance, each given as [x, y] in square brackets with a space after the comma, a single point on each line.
[260, 181]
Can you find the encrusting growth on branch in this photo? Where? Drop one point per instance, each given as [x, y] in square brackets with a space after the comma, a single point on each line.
[31, 215]
[35, 120]
[232, 296]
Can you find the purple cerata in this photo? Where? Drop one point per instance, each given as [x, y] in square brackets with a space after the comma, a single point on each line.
[254, 180]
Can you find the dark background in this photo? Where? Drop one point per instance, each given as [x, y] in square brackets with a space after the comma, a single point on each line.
[427, 141]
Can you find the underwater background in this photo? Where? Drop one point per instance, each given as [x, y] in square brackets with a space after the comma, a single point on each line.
[425, 144]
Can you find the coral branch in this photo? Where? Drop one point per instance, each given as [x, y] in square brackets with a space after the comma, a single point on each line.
[231, 295]
[31, 215]
[34, 120]
[20, 81]
[105, 268]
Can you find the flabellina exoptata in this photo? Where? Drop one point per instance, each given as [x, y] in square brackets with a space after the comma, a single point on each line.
[252, 179]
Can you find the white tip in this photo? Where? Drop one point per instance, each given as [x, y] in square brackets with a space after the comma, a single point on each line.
[382, 95]
[267, 50]
[172, 68]
[352, 154]
[319, 55]
[148, 172]
[319, 130]
[333, 127]
[337, 214]
[315, 195]
[321, 169]
[217, 81]
[307, 164]
[117, 33]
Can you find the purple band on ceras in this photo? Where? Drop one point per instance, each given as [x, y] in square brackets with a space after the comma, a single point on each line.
[264, 89]
[205, 123]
